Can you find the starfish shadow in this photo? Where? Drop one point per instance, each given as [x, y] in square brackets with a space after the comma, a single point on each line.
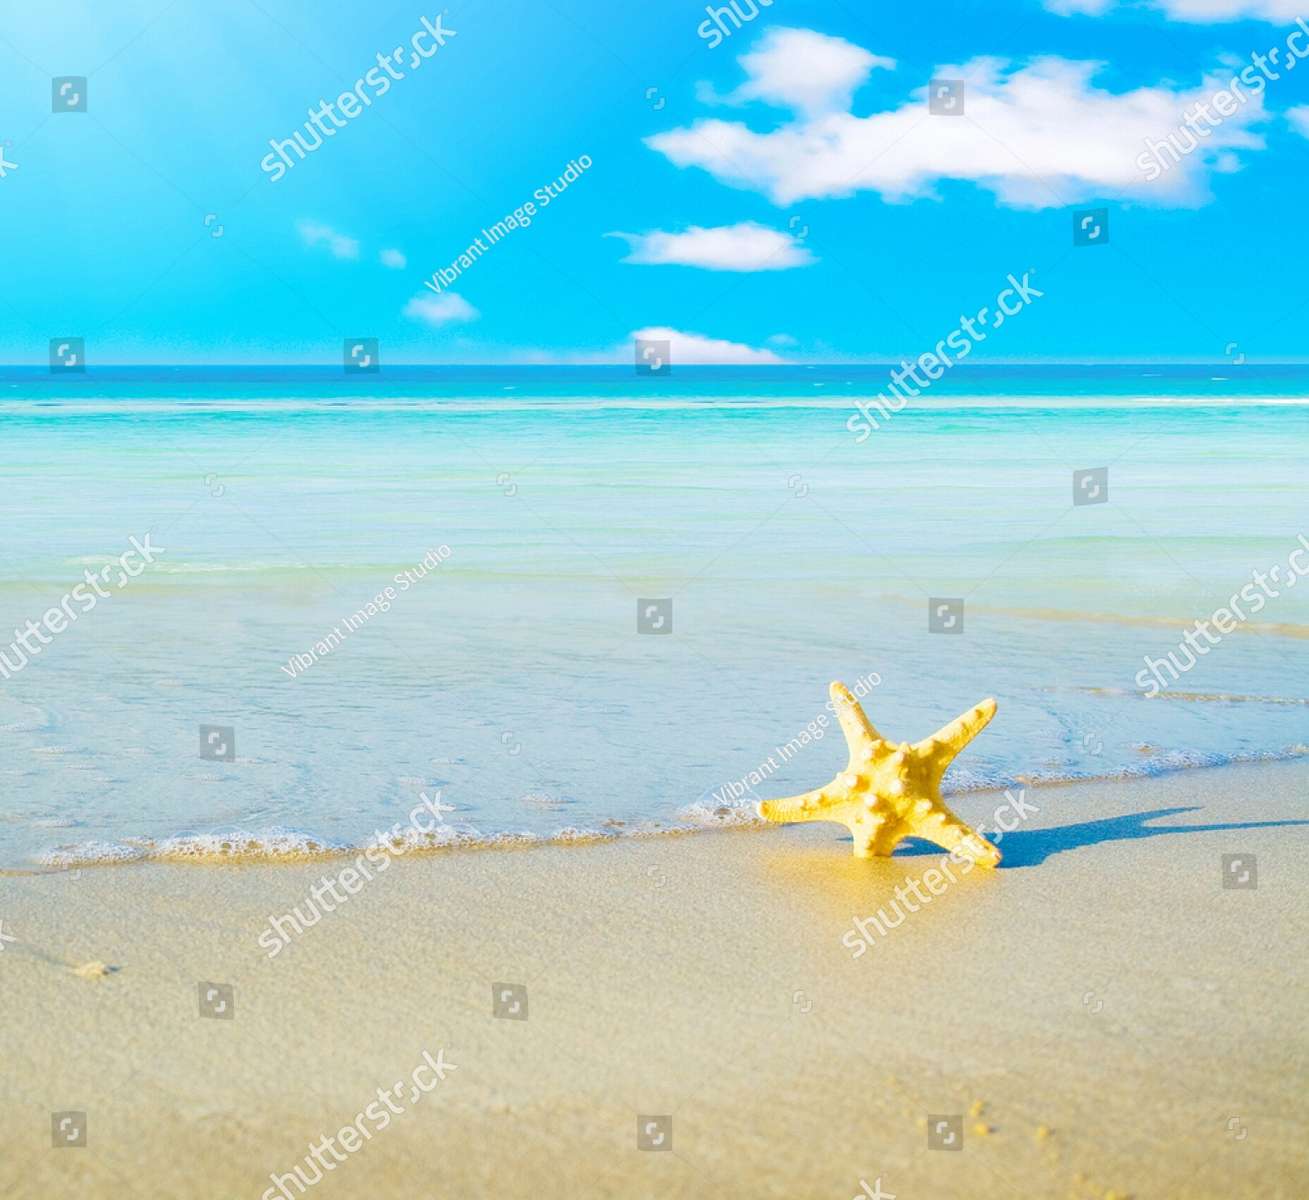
[1031, 847]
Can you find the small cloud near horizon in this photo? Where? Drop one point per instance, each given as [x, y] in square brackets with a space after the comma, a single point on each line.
[315, 233]
[686, 349]
[695, 349]
[449, 308]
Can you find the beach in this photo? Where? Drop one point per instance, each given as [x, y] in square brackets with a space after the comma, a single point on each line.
[1115, 1011]
[381, 778]
[598, 604]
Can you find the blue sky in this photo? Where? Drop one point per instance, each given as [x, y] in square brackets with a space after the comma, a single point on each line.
[785, 190]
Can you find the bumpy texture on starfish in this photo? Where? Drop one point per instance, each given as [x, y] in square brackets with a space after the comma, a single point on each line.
[887, 792]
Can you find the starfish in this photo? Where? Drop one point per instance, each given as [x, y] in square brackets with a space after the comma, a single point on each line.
[887, 792]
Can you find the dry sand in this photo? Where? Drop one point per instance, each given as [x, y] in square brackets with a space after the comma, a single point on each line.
[1106, 1017]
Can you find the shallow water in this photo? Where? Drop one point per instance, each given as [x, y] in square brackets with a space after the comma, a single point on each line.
[512, 677]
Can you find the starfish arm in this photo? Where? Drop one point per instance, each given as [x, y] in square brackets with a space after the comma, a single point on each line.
[808, 806]
[951, 833]
[856, 726]
[946, 742]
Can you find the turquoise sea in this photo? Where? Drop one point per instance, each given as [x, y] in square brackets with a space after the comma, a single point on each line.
[772, 552]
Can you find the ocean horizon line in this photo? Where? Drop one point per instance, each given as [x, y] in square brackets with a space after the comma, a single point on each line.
[335, 369]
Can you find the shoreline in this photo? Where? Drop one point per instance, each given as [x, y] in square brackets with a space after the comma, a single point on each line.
[262, 848]
[702, 980]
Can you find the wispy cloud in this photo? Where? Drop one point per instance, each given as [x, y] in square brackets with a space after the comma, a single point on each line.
[695, 349]
[744, 247]
[1196, 12]
[315, 233]
[1088, 8]
[1299, 118]
[449, 308]
[393, 259]
[1038, 135]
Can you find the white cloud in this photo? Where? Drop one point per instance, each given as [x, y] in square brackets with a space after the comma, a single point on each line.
[685, 349]
[1299, 118]
[1090, 8]
[1038, 136]
[806, 71]
[694, 349]
[393, 259]
[1197, 12]
[1233, 10]
[446, 309]
[314, 233]
[744, 247]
